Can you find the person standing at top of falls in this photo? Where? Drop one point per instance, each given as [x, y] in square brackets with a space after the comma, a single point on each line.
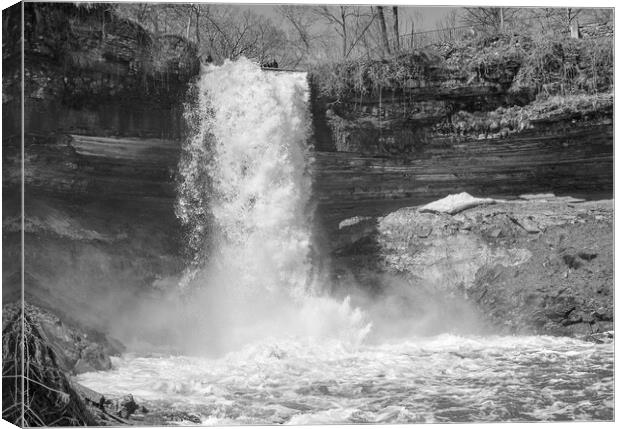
[205, 60]
[273, 64]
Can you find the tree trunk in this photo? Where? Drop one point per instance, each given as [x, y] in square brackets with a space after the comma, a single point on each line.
[386, 44]
[197, 27]
[573, 24]
[501, 19]
[396, 32]
[343, 15]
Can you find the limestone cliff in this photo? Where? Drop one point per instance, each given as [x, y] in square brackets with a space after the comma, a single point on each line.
[494, 115]
[103, 119]
[541, 264]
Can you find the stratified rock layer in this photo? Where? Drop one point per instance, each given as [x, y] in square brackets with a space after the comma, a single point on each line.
[577, 161]
[102, 124]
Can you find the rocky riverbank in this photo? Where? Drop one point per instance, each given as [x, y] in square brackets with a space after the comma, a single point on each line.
[55, 352]
[537, 265]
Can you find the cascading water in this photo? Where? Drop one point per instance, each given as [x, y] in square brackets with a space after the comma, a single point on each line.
[247, 166]
[245, 190]
[285, 352]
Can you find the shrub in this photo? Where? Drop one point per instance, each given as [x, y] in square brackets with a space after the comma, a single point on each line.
[363, 77]
[564, 66]
[504, 121]
[46, 395]
[541, 64]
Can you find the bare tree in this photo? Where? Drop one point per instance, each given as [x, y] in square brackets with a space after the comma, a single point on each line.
[493, 19]
[337, 16]
[146, 14]
[196, 8]
[384, 37]
[572, 23]
[364, 18]
[601, 15]
[447, 24]
[556, 20]
[350, 23]
[306, 40]
[300, 20]
[396, 32]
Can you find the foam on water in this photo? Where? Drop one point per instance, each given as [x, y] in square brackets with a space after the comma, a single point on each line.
[445, 378]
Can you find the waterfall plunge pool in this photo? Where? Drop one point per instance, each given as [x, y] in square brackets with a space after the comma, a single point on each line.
[446, 378]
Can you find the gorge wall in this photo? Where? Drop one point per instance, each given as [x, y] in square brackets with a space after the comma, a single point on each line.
[103, 125]
[461, 121]
[576, 160]
[102, 117]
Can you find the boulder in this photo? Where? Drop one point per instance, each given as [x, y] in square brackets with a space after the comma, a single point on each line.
[76, 351]
[124, 407]
[530, 266]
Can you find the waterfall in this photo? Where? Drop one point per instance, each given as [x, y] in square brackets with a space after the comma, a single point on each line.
[245, 197]
[247, 165]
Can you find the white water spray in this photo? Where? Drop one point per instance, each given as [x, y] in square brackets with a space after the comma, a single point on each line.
[255, 126]
[246, 170]
[245, 197]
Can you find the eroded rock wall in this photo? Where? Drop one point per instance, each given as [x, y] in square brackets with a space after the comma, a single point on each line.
[103, 121]
[576, 161]
[480, 115]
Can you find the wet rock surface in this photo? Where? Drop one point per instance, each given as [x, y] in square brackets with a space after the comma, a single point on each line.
[540, 265]
[44, 353]
[55, 352]
[77, 350]
[102, 120]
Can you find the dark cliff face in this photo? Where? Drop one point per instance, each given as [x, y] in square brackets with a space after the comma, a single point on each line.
[87, 70]
[103, 120]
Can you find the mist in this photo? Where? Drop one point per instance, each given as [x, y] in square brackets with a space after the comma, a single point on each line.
[245, 179]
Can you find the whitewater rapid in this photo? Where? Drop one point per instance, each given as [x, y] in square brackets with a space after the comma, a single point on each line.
[444, 378]
[263, 340]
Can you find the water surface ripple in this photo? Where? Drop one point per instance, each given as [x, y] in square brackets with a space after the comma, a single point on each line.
[446, 378]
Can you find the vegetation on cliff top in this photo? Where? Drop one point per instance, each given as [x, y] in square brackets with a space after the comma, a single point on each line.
[514, 62]
[83, 55]
[508, 120]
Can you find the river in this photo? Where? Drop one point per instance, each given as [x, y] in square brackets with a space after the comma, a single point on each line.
[445, 378]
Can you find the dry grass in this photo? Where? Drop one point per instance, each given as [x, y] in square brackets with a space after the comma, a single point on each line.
[362, 77]
[541, 64]
[562, 66]
[36, 393]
